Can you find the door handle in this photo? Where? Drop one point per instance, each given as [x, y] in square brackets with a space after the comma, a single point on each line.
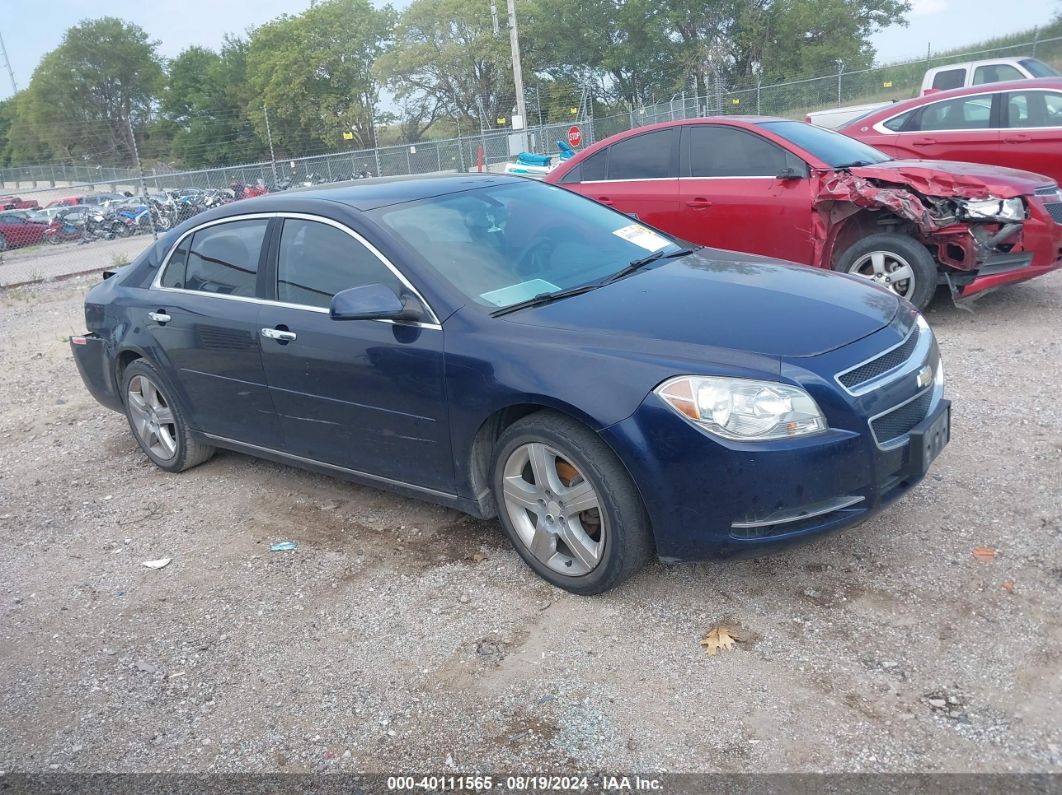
[160, 316]
[280, 335]
[605, 200]
[1016, 139]
[925, 142]
[699, 203]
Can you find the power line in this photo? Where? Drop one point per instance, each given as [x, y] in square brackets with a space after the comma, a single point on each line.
[7, 63]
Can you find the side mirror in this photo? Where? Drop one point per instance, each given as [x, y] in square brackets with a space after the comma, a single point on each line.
[789, 173]
[374, 302]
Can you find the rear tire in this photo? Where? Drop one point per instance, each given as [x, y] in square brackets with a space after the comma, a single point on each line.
[158, 421]
[3, 243]
[895, 261]
[568, 505]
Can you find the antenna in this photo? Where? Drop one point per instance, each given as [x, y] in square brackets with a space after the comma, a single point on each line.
[7, 63]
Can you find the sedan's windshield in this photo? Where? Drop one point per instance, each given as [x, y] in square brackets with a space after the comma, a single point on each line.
[832, 148]
[505, 244]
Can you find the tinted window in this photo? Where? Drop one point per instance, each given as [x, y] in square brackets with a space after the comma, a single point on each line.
[828, 146]
[224, 258]
[318, 260]
[1034, 109]
[1038, 69]
[645, 156]
[965, 113]
[996, 73]
[952, 78]
[595, 167]
[899, 123]
[727, 152]
[173, 276]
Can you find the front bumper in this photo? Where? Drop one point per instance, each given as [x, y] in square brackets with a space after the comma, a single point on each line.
[708, 498]
[1041, 249]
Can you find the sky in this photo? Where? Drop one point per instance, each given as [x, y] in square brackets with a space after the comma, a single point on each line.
[37, 27]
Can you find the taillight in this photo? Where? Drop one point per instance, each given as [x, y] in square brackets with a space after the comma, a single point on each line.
[78, 341]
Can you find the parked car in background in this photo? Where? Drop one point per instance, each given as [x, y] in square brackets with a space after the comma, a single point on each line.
[794, 191]
[65, 201]
[1016, 124]
[17, 203]
[838, 117]
[502, 347]
[977, 73]
[16, 231]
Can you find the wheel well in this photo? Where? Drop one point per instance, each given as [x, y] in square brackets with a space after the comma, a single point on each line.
[125, 358]
[864, 224]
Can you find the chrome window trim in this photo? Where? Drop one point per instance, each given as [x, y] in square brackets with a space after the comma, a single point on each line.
[917, 356]
[156, 283]
[838, 504]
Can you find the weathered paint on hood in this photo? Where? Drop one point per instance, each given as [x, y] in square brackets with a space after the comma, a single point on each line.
[946, 178]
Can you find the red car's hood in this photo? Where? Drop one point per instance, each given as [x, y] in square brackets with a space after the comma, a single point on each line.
[949, 178]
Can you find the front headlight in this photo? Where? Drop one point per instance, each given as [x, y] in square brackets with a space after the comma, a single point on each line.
[743, 409]
[1003, 209]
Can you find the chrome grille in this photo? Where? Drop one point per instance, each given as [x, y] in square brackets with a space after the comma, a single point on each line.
[877, 367]
[898, 422]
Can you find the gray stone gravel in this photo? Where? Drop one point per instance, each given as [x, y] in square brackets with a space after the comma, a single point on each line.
[402, 636]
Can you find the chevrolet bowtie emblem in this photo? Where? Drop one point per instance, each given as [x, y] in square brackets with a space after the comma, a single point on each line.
[925, 377]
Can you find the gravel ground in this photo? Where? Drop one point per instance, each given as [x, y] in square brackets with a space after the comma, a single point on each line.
[402, 636]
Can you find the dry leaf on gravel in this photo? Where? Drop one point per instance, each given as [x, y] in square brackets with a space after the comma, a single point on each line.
[984, 553]
[720, 637]
[1008, 586]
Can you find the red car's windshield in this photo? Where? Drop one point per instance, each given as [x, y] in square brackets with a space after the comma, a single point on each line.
[832, 148]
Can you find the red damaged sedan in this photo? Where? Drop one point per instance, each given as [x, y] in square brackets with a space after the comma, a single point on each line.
[790, 190]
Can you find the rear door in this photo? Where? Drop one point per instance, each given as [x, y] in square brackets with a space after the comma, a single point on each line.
[365, 395]
[1032, 133]
[731, 195]
[204, 317]
[963, 128]
[637, 176]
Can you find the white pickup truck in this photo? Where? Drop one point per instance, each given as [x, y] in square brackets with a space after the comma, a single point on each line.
[943, 78]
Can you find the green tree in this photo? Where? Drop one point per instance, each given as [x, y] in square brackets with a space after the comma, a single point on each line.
[203, 102]
[80, 97]
[314, 72]
[446, 62]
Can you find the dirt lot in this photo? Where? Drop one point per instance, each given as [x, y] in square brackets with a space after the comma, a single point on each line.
[405, 636]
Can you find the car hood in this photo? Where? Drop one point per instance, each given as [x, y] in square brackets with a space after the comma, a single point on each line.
[949, 178]
[729, 300]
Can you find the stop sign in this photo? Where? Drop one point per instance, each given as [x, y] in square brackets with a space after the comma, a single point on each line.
[575, 136]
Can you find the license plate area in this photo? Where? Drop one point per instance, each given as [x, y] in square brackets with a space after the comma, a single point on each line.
[930, 437]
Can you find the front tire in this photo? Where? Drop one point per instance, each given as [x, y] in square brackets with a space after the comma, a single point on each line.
[158, 422]
[897, 262]
[568, 505]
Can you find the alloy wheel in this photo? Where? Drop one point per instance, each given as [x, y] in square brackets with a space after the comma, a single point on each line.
[887, 269]
[554, 509]
[152, 417]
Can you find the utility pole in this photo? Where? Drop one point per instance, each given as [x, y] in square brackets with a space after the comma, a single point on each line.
[7, 63]
[272, 155]
[518, 75]
[143, 182]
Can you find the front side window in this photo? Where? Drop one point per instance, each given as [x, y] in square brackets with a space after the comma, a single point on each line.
[220, 259]
[996, 73]
[951, 78]
[646, 156]
[965, 113]
[717, 151]
[318, 260]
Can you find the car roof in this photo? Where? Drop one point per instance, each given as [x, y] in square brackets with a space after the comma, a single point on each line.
[904, 105]
[368, 194]
[983, 62]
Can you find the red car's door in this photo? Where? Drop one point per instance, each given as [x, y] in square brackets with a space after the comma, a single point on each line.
[637, 175]
[1032, 132]
[733, 194]
[965, 128]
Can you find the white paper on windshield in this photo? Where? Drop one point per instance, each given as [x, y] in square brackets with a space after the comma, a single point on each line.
[641, 236]
[515, 293]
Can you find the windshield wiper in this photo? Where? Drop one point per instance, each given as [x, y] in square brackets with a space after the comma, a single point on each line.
[545, 298]
[641, 262]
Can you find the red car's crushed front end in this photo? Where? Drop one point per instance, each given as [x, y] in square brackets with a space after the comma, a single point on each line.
[986, 229]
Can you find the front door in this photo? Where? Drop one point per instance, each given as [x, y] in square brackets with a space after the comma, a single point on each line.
[731, 195]
[204, 318]
[366, 395]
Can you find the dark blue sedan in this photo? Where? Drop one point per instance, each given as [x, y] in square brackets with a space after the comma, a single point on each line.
[510, 349]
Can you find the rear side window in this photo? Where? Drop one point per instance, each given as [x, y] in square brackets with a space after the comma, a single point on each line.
[318, 260]
[900, 123]
[951, 78]
[646, 156]
[1034, 109]
[965, 113]
[220, 259]
[995, 73]
[728, 152]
